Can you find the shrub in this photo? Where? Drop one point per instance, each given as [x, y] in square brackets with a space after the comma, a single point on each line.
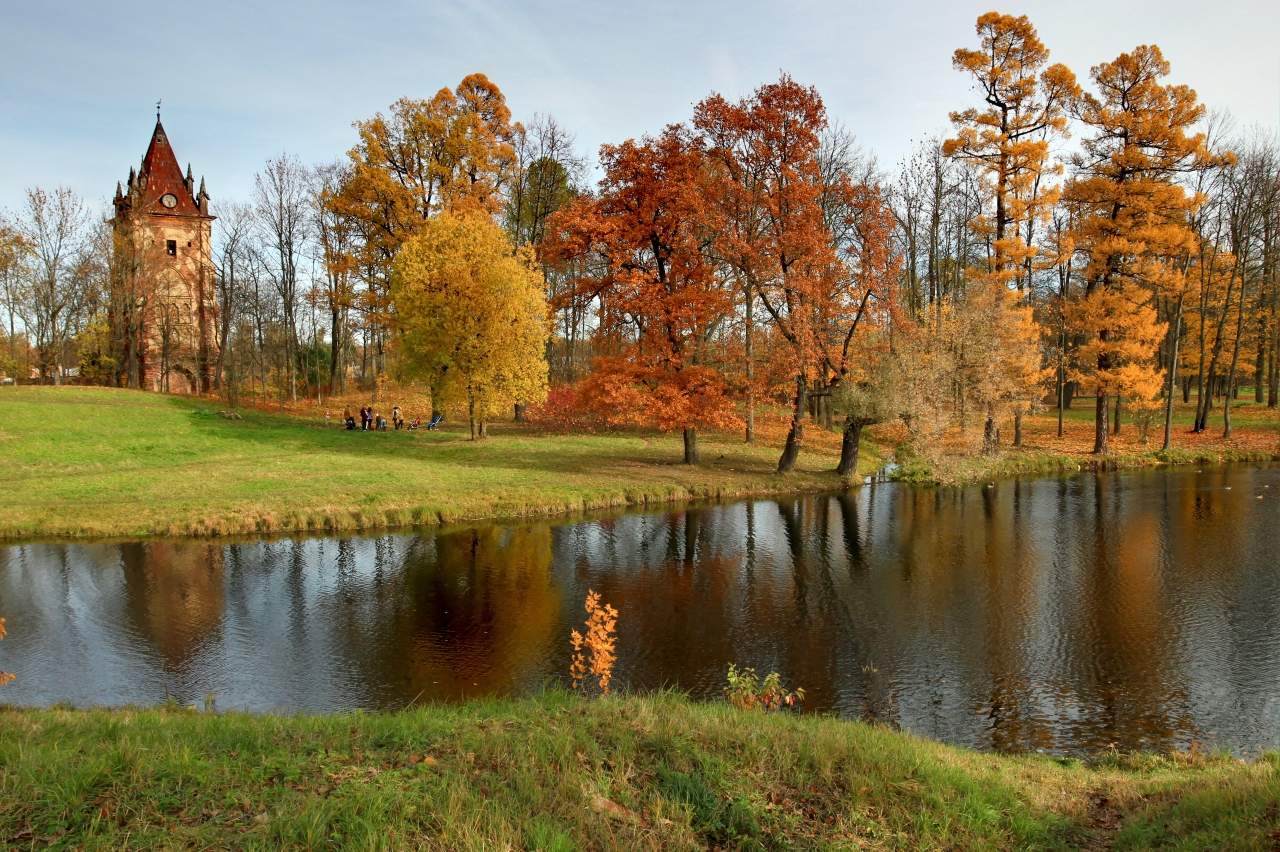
[747, 691]
[565, 410]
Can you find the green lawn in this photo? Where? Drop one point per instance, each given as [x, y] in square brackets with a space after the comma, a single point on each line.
[107, 462]
[560, 772]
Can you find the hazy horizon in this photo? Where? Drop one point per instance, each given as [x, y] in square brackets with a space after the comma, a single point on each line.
[240, 84]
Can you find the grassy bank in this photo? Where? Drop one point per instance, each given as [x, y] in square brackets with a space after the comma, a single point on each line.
[557, 772]
[956, 459]
[103, 462]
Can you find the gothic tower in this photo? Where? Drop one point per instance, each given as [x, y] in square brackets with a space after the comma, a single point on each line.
[163, 309]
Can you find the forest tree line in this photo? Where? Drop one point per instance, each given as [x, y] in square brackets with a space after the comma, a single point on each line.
[1103, 237]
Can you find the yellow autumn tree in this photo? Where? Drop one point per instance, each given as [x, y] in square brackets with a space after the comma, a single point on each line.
[1024, 107]
[995, 343]
[1131, 220]
[1117, 357]
[1008, 139]
[473, 314]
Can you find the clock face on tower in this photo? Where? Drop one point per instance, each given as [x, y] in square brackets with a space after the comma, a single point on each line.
[169, 200]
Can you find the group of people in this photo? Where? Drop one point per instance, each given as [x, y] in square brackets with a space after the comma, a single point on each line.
[372, 421]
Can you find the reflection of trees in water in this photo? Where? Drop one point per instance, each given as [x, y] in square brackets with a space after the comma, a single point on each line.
[479, 613]
[1126, 691]
[1056, 613]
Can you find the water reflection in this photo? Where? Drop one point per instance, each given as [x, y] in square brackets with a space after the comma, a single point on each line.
[1135, 609]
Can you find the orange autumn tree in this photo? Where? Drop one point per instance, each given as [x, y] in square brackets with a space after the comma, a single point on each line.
[1131, 221]
[860, 292]
[648, 233]
[594, 650]
[766, 148]
[453, 150]
[1008, 140]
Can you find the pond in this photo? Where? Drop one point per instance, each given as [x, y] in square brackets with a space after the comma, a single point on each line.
[1140, 610]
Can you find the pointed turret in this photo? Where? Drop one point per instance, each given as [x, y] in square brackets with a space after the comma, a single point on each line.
[161, 177]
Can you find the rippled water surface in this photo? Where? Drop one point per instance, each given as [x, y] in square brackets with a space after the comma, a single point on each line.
[1134, 609]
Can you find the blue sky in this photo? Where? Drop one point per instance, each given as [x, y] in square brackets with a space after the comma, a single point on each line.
[244, 81]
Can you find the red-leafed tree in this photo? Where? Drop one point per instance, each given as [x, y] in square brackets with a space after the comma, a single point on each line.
[859, 293]
[648, 234]
[766, 151]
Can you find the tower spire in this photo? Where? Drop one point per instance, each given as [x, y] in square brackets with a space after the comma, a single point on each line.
[158, 110]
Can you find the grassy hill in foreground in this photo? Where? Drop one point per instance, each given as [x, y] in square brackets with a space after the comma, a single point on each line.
[107, 462]
[558, 772]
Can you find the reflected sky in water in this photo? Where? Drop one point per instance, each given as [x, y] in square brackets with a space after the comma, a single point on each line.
[1140, 610]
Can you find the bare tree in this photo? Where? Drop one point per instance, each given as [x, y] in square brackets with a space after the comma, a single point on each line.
[235, 234]
[335, 249]
[281, 200]
[54, 226]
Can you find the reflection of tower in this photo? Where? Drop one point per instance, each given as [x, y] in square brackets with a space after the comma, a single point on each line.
[175, 595]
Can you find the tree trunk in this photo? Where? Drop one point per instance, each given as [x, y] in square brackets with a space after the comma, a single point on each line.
[750, 365]
[990, 434]
[1017, 429]
[1173, 378]
[519, 413]
[1273, 384]
[1062, 381]
[795, 435]
[850, 442]
[1115, 423]
[1273, 365]
[1232, 387]
[335, 351]
[1100, 425]
[1260, 362]
[690, 446]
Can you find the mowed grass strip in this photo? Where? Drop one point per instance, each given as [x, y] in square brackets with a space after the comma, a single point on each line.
[86, 462]
[560, 772]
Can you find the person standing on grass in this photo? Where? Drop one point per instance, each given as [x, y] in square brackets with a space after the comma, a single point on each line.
[396, 420]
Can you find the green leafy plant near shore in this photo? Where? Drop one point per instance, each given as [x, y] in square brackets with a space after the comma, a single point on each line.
[747, 691]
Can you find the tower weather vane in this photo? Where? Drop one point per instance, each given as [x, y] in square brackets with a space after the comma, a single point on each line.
[157, 109]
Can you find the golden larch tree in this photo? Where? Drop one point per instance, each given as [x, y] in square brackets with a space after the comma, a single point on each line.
[1007, 139]
[1131, 218]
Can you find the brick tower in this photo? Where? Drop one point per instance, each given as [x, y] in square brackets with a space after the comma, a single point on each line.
[163, 312]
